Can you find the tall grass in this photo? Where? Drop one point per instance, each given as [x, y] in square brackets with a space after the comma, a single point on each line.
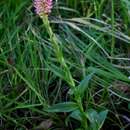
[35, 90]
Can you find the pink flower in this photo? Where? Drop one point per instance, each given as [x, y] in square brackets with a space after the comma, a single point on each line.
[43, 6]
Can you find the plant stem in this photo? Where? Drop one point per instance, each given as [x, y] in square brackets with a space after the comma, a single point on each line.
[58, 51]
[112, 22]
[84, 123]
[60, 58]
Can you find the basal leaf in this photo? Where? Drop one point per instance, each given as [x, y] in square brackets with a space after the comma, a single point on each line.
[63, 107]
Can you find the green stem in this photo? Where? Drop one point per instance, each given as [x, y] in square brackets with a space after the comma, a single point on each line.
[58, 51]
[112, 22]
[84, 123]
[61, 60]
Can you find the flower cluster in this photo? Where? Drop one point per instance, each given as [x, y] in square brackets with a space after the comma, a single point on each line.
[43, 6]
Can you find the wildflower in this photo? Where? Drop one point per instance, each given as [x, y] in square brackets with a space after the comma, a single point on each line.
[43, 7]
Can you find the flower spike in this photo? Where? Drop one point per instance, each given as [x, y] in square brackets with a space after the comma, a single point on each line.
[43, 7]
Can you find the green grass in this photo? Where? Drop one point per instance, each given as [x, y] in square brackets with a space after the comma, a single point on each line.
[35, 88]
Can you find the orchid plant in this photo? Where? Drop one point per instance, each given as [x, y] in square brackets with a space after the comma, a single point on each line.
[75, 107]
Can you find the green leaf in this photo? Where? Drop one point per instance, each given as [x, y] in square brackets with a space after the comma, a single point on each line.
[92, 115]
[76, 115]
[63, 107]
[102, 117]
[57, 71]
[84, 84]
[62, 73]
[22, 106]
[96, 119]
[127, 3]
[111, 73]
[81, 88]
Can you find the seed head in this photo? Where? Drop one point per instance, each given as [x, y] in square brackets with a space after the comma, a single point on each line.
[43, 7]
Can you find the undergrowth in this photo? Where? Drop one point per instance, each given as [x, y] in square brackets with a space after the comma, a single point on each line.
[35, 88]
